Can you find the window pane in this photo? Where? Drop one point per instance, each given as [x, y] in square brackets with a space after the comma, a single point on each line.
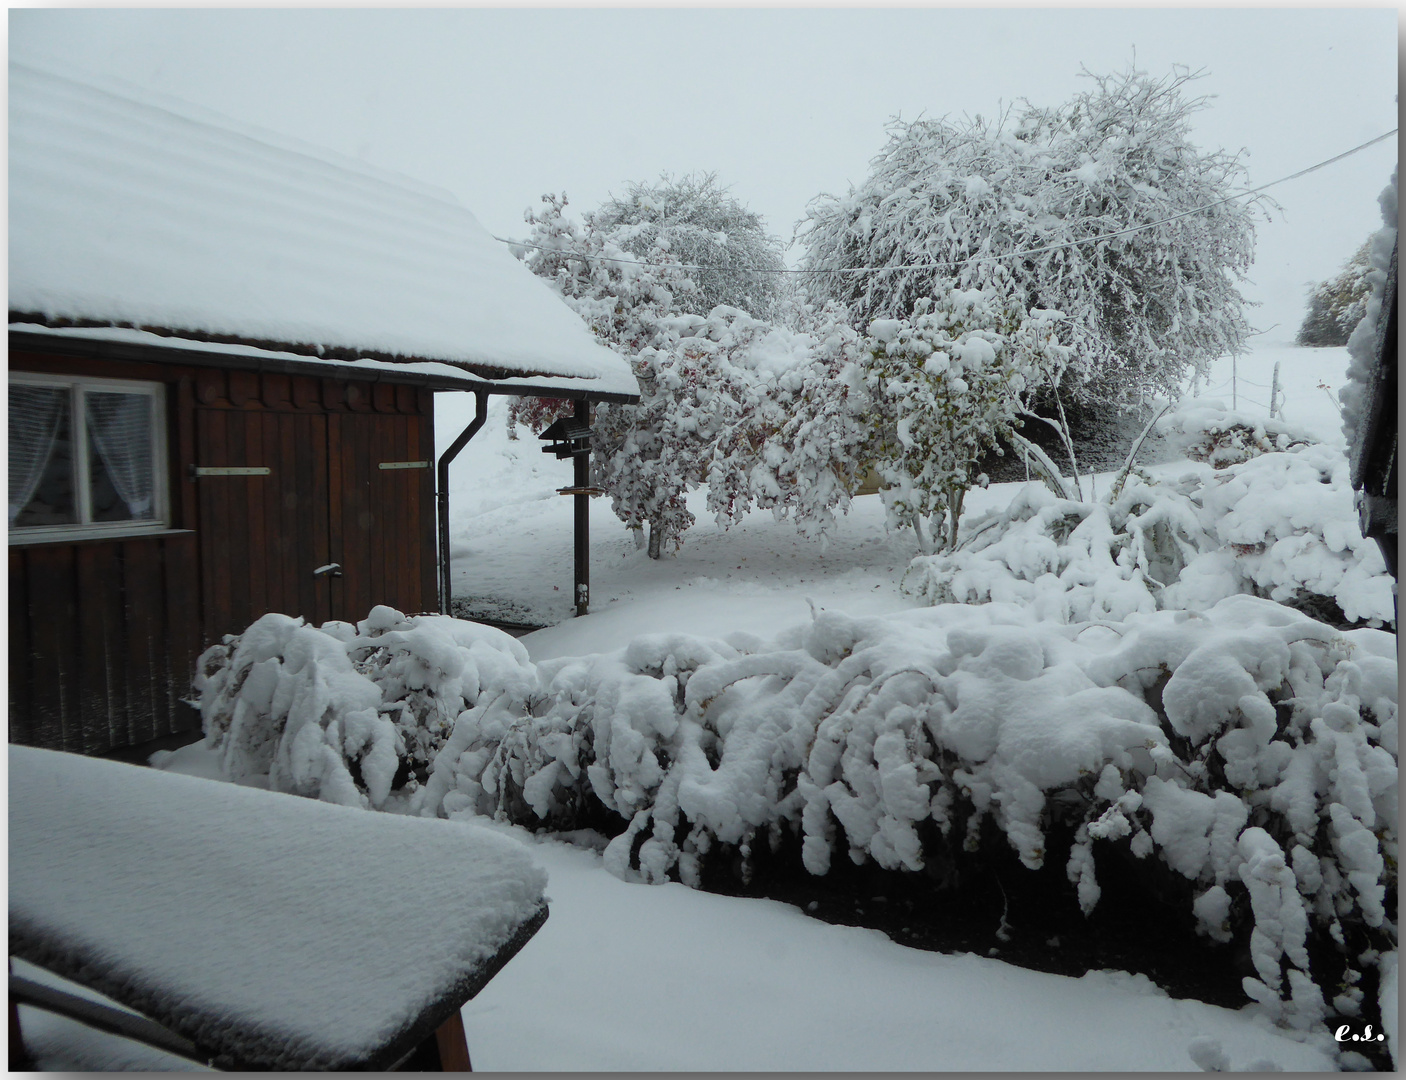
[121, 475]
[41, 456]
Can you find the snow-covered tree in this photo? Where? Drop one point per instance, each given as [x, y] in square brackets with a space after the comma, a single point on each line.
[954, 202]
[947, 386]
[767, 416]
[628, 299]
[783, 421]
[700, 224]
[1335, 307]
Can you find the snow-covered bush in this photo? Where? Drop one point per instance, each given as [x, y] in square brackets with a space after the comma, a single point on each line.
[1336, 307]
[948, 385]
[343, 713]
[1248, 751]
[1203, 429]
[946, 200]
[1278, 524]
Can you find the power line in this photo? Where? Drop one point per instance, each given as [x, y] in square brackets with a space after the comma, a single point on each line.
[964, 262]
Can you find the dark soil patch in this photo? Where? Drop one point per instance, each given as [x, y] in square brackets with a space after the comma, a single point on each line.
[503, 615]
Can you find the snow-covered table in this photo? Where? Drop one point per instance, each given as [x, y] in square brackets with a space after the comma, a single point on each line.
[270, 931]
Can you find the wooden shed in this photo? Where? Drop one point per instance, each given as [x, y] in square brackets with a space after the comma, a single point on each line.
[224, 350]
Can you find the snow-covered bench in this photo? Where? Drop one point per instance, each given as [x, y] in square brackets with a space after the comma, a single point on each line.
[265, 931]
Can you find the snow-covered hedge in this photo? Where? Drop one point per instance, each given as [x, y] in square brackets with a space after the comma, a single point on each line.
[1250, 750]
[1275, 520]
[348, 713]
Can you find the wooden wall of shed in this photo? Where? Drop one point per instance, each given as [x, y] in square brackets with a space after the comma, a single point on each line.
[103, 641]
[104, 634]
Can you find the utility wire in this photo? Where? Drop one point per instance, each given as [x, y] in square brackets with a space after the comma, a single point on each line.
[964, 262]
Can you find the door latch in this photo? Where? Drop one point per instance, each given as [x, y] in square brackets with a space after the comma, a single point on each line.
[330, 570]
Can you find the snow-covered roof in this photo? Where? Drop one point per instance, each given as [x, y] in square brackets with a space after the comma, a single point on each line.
[128, 209]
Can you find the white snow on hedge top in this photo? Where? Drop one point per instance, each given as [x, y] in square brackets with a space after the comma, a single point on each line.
[126, 208]
[283, 929]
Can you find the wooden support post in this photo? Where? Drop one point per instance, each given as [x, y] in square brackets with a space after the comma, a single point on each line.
[453, 1045]
[19, 1060]
[581, 464]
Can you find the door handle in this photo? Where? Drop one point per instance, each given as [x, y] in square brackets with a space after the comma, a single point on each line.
[330, 570]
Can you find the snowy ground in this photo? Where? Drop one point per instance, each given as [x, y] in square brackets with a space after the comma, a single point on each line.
[663, 977]
[512, 553]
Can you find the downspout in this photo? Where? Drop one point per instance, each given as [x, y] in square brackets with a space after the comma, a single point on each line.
[442, 491]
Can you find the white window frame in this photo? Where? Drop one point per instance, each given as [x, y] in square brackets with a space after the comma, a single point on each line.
[85, 528]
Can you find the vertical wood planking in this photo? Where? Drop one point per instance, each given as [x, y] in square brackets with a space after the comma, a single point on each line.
[277, 540]
[184, 512]
[336, 511]
[369, 517]
[209, 385]
[21, 674]
[214, 525]
[275, 390]
[356, 588]
[383, 397]
[184, 637]
[53, 614]
[290, 487]
[237, 547]
[260, 523]
[301, 554]
[427, 530]
[305, 392]
[411, 533]
[317, 512]
[408, 528]
[101, 668]
[243, 386]
[384, 539]
[146, 642]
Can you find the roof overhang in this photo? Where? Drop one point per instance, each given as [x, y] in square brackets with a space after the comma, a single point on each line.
[147, 346]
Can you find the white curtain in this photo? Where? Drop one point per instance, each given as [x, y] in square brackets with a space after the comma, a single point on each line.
[120, 426]
[35, 416]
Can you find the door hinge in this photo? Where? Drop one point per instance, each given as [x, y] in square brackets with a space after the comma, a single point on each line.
[230, 470]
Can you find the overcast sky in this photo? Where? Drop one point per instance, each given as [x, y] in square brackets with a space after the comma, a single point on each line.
[500, 106]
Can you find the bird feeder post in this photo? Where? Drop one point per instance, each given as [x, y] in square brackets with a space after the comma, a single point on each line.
[571, 437]
[581, 464]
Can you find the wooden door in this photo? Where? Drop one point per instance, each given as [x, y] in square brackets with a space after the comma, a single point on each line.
[382, 501]
[263, 535]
